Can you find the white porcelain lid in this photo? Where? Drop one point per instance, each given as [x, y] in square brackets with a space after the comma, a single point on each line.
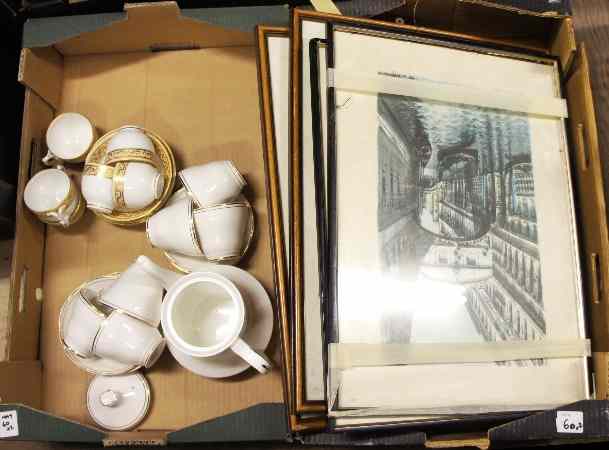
[119, 402]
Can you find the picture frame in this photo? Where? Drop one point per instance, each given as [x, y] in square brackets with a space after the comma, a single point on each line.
[567, 212]
[273, 72]
[300, 126]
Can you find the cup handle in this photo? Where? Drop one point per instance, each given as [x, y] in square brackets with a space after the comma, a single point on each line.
[257, 360]
[49, 158]
[61, 217]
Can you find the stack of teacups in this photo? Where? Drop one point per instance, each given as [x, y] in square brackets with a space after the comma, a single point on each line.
[208, 218]
[122, 323]
[128, 178]
[51, 194]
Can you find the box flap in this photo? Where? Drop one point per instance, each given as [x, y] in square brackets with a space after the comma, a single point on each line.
[545, 426]
[588, 186]
[46, 31]
[564, 45]
[150, 26]
[37, 425]
[264, 422]
[41, 69]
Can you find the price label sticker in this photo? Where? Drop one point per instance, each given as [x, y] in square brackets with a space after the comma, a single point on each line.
[570, 422]
[9, 425]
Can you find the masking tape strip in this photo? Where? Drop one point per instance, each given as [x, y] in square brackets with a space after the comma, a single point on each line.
[344, 356]
[325, 6]
[449, 93]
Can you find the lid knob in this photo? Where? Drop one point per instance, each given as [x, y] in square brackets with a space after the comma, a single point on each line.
[109, 398]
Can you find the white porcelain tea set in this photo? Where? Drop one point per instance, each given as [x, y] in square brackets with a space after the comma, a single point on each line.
[128, 178]
[216, 321]
[216, 324]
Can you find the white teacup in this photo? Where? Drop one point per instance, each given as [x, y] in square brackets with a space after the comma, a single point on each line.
[172, 229]
[204, 315]
[136, 185]
[136, 293]
[128, 340]
[83, 325]
[96, 185]
[224, 230]
[53, 197]
[69, 138]
[213, 183]
[130, 143]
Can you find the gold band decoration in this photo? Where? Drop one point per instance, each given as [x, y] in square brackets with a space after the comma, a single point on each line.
[118, 185]
[189, 264]
[98, 170]
[130, 155]
[162, 158]
[89, 364]
[73, 197]
[194, 235]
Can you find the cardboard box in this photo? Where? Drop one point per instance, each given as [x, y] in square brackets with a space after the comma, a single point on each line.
[472, 22]
[191, 77]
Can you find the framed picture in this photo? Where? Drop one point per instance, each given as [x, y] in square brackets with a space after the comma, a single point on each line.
[451, 158]
[308, 27]
[273, 67]
[305, 255]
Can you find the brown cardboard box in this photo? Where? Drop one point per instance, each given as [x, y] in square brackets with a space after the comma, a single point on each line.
[203, 99]
[470, 21]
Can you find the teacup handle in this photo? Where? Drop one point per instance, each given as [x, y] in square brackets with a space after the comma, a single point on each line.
[61, 217]
[49, 159]
[257, 360]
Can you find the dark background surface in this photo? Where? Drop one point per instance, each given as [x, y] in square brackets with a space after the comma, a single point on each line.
[591, 18]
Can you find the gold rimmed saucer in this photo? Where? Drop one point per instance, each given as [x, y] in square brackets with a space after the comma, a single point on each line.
[94, 365]
[165, 162]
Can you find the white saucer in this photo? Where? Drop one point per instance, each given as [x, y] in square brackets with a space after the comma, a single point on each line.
[120, 402]
[257, 334]
[98, 366]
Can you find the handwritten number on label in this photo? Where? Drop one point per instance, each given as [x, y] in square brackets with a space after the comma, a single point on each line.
[570, 422]
[9, 426]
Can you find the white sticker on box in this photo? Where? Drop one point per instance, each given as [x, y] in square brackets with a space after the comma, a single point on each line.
[570, 422]
[9, 425]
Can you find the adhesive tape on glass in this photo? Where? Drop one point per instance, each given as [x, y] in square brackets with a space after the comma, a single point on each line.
[119, 402]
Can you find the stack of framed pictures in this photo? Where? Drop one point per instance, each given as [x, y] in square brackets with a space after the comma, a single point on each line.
[428, 255]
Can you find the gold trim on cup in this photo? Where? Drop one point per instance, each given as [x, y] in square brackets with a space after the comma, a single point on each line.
[73, 195]
[242, 201]
[194, 234]
[95, 311]
[166, 165]
[236, 174]
[189, 190]
[98, 170]
[102, 326]
[130, 154]
[78, 212]
[151, 352]
[67, 200]
[78, 360]
[118, 185]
